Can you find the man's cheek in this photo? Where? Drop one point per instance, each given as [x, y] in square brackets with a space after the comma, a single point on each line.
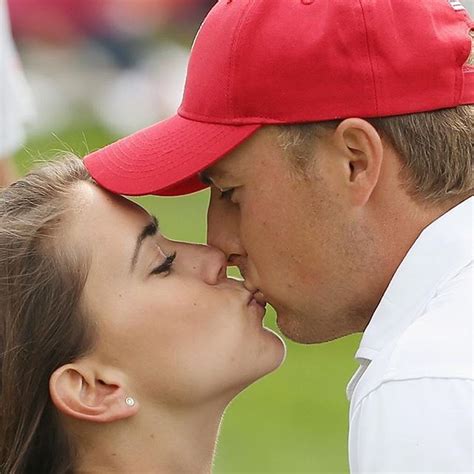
[262, 255]
[258, 228]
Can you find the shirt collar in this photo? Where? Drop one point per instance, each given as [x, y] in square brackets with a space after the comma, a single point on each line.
[438, 254]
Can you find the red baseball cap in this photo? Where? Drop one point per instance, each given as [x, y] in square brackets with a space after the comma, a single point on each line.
[258, 62]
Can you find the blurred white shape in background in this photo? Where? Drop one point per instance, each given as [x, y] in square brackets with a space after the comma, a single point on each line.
[469, 4]
[150, 92]
[16, 102]
[102, 60]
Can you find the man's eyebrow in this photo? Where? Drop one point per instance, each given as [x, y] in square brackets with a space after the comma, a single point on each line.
[148, 231]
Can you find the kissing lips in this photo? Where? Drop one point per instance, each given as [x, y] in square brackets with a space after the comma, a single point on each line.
[258, 298]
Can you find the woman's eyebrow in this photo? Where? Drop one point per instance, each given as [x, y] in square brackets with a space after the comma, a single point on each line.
[149, 230]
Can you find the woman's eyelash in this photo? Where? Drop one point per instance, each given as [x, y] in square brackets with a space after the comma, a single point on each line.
[165, 266]
[227, 194]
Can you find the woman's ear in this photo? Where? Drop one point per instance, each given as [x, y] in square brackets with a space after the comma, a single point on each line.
[363, 153]
[82, 393]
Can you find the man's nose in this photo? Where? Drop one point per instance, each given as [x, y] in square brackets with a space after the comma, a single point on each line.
[223, 230]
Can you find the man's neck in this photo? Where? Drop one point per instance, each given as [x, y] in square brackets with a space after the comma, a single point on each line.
[396, 227]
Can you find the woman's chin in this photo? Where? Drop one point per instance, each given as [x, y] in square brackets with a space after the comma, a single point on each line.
[279, 349]
[267, 358]
[271, 354]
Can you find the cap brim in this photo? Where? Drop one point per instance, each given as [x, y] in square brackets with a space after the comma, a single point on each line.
[164, 159]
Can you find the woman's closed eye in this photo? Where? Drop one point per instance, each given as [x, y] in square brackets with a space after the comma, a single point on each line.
[227, 194]
[166, 266]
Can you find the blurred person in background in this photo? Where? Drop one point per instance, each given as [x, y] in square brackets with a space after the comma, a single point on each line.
[16, 108]
[117, 62]
[120, 351]
[336, 137]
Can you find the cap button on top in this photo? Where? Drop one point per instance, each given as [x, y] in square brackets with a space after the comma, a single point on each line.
[307, 2]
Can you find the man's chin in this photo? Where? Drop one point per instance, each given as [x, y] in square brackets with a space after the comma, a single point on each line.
[304, 330]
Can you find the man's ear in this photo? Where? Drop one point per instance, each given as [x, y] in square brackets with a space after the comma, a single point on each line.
[81, 392]
[363, 153]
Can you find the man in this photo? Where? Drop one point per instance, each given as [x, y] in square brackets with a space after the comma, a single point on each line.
[336, 136]
[15, 101]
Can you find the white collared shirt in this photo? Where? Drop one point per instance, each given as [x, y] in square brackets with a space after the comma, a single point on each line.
[411, 400]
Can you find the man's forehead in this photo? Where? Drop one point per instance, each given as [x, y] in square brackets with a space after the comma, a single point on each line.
[225, 168]
[237, 161]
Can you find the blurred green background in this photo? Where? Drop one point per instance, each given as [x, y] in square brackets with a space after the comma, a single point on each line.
[293, 421]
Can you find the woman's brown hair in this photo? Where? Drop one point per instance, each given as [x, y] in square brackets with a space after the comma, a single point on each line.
[42, 323]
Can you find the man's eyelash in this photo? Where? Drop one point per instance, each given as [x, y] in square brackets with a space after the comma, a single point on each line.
[165, 266]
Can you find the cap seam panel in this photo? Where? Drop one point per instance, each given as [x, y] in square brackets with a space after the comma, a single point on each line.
[369, 54]
[232, 62]
[459, 79]
[191, 116]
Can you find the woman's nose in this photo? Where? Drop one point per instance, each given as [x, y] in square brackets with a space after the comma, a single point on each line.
[208, 263]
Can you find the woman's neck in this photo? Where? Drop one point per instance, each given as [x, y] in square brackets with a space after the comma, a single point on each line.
[160, 441]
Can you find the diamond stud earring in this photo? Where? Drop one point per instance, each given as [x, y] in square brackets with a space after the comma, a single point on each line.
[130, 401]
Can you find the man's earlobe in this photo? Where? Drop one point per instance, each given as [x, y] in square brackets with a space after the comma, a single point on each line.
[79, 393]
[364, 156]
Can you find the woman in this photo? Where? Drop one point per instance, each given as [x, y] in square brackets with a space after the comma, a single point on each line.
[120, 348]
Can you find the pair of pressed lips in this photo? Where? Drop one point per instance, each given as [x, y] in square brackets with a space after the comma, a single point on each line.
[255, 295]
[258, 297]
